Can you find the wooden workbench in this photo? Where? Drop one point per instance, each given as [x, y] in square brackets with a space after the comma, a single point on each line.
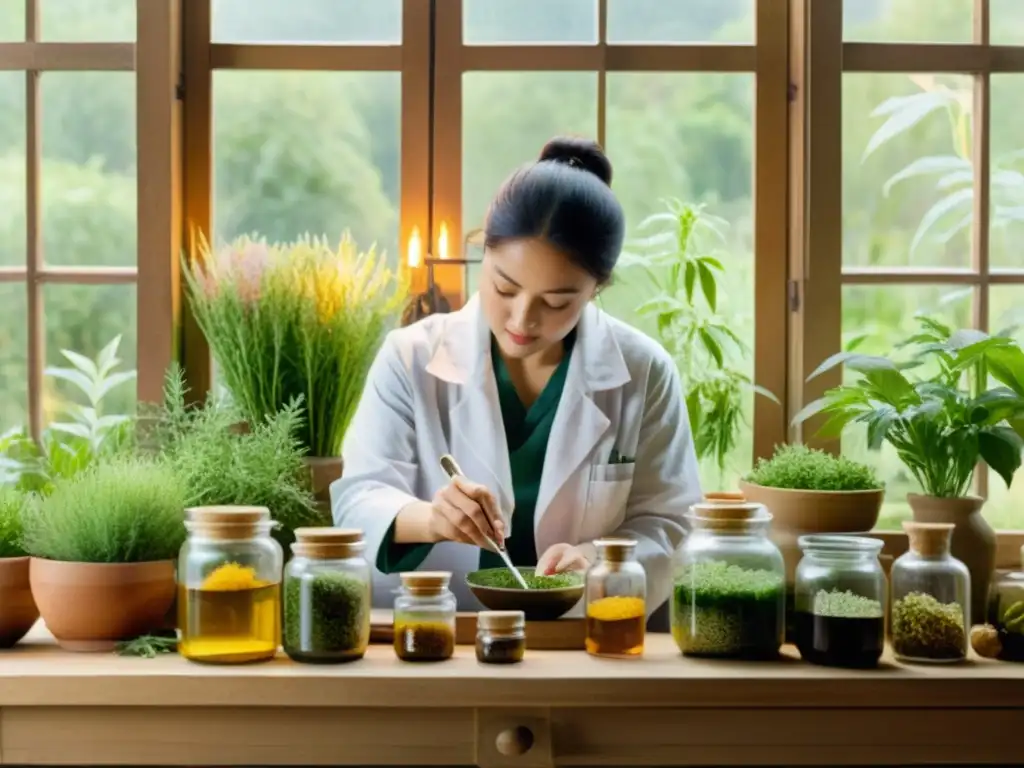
[85, 709]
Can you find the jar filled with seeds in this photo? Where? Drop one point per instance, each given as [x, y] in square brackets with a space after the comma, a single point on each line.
[729, 596]
[425, 617]
[327, 596]
[840, 596]
[930, 597]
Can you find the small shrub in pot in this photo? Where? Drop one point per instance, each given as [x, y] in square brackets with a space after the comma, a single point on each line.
[18, 610]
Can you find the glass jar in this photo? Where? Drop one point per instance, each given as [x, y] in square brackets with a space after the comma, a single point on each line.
[728, 596]
[327, 596]
[840, 595]
[229, 585]
[500, 637]
[1006, 615]
[425, 617]
[616, 600]
[931, 592]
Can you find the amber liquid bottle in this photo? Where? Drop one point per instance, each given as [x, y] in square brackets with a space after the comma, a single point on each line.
[616, 600]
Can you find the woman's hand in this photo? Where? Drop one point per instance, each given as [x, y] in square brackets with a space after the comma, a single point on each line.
[467, 512]
[565, 557]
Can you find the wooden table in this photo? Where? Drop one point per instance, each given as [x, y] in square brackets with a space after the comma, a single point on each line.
[87, 709]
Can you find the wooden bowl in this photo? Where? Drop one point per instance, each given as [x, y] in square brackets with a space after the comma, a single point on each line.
[536, 604]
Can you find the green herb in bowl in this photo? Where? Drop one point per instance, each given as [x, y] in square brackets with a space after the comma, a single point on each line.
[547, 598]
[502, 578]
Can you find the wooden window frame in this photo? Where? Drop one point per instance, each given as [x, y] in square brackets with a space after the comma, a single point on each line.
[766, 59]
[819, 58]
[154, 58]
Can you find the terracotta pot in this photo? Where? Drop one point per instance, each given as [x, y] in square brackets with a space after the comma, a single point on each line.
[18, 610]
[324, 470]
[92, 606]
[973, 541]
[818, 511]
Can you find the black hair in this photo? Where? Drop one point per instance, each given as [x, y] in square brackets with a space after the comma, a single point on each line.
[565, 197]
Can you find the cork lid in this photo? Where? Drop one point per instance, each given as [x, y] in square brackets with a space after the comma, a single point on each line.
[615, 550]
[328, 543]
[929, 539]
[501, 620]
[722, 515]
[226, 522]
[426, 582]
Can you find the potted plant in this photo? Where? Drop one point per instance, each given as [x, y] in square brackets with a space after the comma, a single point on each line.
[18, 610]
[103, 544]
[296, 320]
[942, 425]
[680, 256]
[220, 466]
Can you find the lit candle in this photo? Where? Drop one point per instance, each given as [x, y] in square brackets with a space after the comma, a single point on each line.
[415, 252]
[442, 242]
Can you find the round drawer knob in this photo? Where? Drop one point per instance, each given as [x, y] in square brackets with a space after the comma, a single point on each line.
[514, 741]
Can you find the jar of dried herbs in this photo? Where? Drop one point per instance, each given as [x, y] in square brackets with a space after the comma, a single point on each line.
[930, 597]
[1006, 616]
[327, 597]
[728, 595]
[425, 617]
[500, 637]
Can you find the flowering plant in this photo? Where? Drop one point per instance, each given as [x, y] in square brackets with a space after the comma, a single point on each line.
[291, 320]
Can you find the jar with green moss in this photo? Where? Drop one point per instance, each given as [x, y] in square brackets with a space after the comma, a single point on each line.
[931, 592]
[327, 597]
[729, 595]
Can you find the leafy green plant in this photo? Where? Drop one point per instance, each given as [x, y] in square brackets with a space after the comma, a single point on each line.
[86, 433]
[295, 320]
[219, 464]
[953, 212]
[123, 509]
[798, 467]
[12, 502]
[941, 425]
[681, 256]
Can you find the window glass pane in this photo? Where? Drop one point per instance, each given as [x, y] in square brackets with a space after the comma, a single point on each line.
[875, 318]
[13, 357]
[316, 152]
[12, 169]
[529, 21]
[680, 21]
[1006, 198]
[12, 22]
[88, 191]
[508, 117]
[1006, 22]
[87, 21]
[84, 319]
[1005, 507]
[908, 21]
[907, 174]
[307, 21]
[665, 143]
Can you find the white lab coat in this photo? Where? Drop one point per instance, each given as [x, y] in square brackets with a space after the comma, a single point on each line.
[431, 391]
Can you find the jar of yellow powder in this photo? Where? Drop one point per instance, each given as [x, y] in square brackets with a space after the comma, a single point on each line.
[616, 600]
[229, 586]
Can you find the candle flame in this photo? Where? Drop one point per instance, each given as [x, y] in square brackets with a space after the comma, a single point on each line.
[414, 255]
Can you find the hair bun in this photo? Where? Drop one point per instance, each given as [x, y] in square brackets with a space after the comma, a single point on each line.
[578, 153]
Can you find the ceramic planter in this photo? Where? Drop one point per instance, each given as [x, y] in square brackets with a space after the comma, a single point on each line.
[92, 606]
[324, 470]
[18, 610]
[973, 541]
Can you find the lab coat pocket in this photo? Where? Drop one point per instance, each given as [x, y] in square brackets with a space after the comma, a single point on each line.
[607, 497]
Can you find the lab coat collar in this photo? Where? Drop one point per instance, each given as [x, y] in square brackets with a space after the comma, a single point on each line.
[465, 349]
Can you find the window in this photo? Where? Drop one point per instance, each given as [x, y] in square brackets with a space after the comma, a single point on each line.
[930, 188]
[70, 265]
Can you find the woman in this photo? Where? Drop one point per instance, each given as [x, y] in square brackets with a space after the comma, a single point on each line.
[568, 424]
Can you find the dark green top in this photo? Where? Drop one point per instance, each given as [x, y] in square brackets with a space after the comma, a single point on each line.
[527, 431]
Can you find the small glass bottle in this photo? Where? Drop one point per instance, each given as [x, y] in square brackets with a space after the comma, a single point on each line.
[1006, 616]
[327, 596]
[616, 600]
[425, 617]
[931, 593]
[728, 597]
[500, 637]
[840, 601]
[229, 585]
